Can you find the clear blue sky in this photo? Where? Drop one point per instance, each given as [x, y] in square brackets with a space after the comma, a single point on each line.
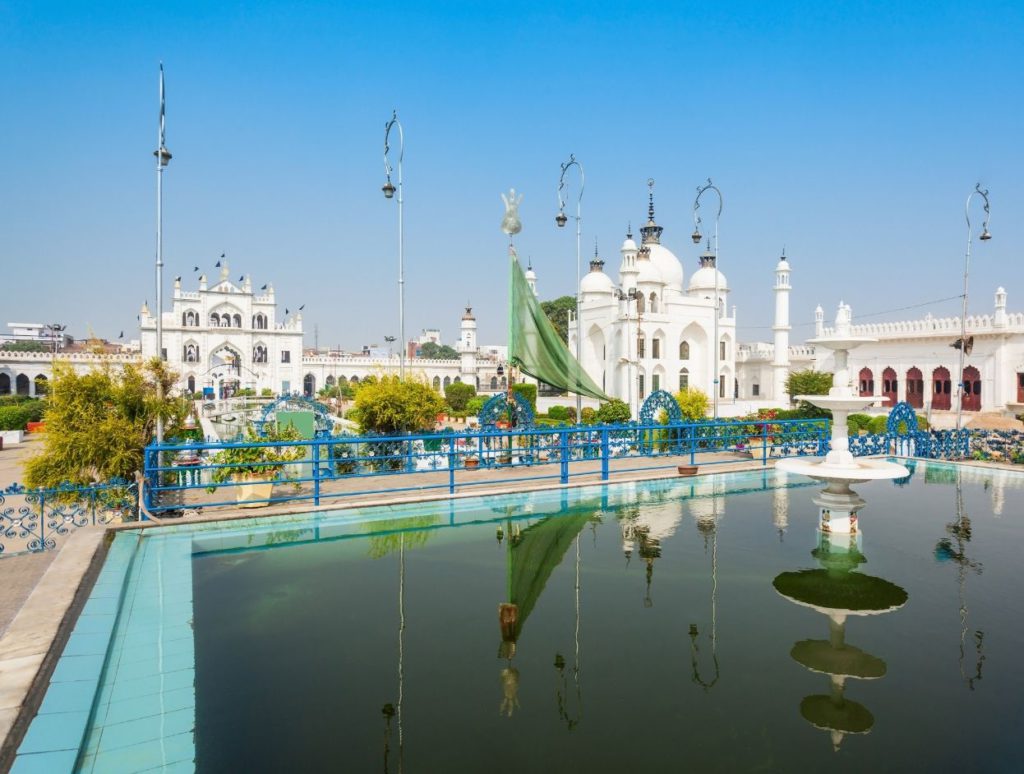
[849, 132]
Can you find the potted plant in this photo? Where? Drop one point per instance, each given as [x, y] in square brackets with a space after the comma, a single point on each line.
[471, 463]
[253, 467]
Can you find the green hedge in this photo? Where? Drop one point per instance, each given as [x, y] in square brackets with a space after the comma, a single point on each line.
[17, 416]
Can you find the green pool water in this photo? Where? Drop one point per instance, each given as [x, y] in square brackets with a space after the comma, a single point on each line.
[700, 625]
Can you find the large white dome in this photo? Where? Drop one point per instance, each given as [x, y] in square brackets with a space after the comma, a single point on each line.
[597, 281]
[648, 273]
[668, 266]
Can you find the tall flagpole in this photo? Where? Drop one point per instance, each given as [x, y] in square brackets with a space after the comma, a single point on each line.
[163, 156]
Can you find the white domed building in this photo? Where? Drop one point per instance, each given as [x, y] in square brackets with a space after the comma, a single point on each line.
[651, 330]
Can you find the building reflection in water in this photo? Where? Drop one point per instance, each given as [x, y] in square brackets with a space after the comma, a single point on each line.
[838, 591]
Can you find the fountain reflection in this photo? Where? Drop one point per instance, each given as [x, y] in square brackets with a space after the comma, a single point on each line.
[838, 591]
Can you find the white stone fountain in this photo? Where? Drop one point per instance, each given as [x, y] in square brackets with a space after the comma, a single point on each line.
[839, 468]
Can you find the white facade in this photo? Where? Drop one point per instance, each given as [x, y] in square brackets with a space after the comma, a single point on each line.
[652, 330]
[227, 337]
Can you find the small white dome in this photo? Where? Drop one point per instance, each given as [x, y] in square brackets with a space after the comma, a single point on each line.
[704, 279]
[628, 245]
[531, 274]
[783, 265]
[597, 282]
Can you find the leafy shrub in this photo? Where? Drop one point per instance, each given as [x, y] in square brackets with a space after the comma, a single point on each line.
[475, 405]
[855, 423]
[15, 417]
[693, 403]
[391, 405]
[266, 392]
[528, 391]
[457, 395]
[561, 413]
[878, 424]
[613, 412]
[589, 415]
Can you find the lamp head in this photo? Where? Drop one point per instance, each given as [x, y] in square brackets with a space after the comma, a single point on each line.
[696, 236]
[501, 370]
[163, 155]
[985, 236]
[388, 189]
[561, 219]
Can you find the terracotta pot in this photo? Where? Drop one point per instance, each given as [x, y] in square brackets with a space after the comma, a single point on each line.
[471, 464]
[687, 470]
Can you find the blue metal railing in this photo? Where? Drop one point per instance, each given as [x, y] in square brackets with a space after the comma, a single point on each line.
[32, 519]
[175, 473]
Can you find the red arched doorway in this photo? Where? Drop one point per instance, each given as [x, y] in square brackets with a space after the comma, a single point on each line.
[972, 389]
[940, 389]
[1020, 388]
[915, 388]
[867, 382]
[889, 385]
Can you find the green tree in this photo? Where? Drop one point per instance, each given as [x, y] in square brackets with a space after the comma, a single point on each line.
[475, 404]
[528, 391]
[98, 423]
[457, 395]
[808, 382]
[390, 405]
[613, 412]
[557, 311]
[693, 403]
[434, 351]
[26, 346]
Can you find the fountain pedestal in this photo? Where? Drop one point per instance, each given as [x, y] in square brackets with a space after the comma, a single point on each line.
[839, 468]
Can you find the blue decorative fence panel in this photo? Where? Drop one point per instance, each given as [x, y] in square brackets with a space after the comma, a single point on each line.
[31, 520]
[220, 474]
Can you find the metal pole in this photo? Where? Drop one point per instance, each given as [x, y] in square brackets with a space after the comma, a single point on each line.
[560, 221]
[162, 157]
[696, 239]
[389, 191]
[984, 236]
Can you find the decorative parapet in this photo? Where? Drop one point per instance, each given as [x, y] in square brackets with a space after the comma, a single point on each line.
[976, 324]
[73, 357]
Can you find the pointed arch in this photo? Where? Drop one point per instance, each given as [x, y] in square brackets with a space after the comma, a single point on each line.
[436, 383]
[915, 388]
[941, 389]
[5, 384]
[889, 385]
[866, 381]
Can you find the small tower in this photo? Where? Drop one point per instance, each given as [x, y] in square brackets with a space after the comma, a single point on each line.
[466, 346]
[1000, 318]
[628, 269]
[224, 270]
[531, 277]
[650, 232]
[781, 328]
[819, 321]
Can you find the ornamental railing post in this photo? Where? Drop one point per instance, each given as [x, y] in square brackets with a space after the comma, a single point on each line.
[316, 473]
[563, 442]
[764, 445]
[451, 464]
[604, 453]
[691, 437]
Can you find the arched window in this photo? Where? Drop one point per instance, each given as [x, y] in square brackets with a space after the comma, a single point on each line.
[656, 348]
[354, 380]
[684, 350]
[504, 382]
[214, 320]
[640, 304]
[309, 385]
[21, 384]
[447, 381]
[941, 389]
[971, 394]
[329, 381]
[641, 346]
[191, 385]
[684, 379]
[458, 378]
[654, 302]
[889, 386]
[259, 321]
[494, 382]
[437, 383]
[42, 385]
[915, 388]
[191, 353]
[867, 382]
[5, 384]
[190, 319]
[237, 320]
[259, 354]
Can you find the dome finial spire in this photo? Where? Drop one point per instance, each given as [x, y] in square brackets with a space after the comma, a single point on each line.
[650, 198]
[651, 232]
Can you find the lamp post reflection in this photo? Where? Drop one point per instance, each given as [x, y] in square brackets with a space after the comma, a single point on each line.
[707, 525]
[954, 549]
[389, 710]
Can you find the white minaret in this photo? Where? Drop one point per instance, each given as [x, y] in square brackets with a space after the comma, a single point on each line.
[467, 346]
[531, 277]
[819, 322]
[1000, 318]
[781, 328]
[628, 270]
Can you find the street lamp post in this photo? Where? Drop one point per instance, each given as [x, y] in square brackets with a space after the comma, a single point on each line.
[55, 330]
[389, 192]
[984, 237]
[696, 240]
[560, 221]
[163, 157]
[631, 295]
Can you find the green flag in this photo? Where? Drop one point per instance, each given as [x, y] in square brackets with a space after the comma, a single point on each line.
[535, 346]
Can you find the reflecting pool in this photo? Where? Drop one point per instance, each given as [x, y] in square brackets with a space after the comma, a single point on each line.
[645, 627]
[702, 624]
